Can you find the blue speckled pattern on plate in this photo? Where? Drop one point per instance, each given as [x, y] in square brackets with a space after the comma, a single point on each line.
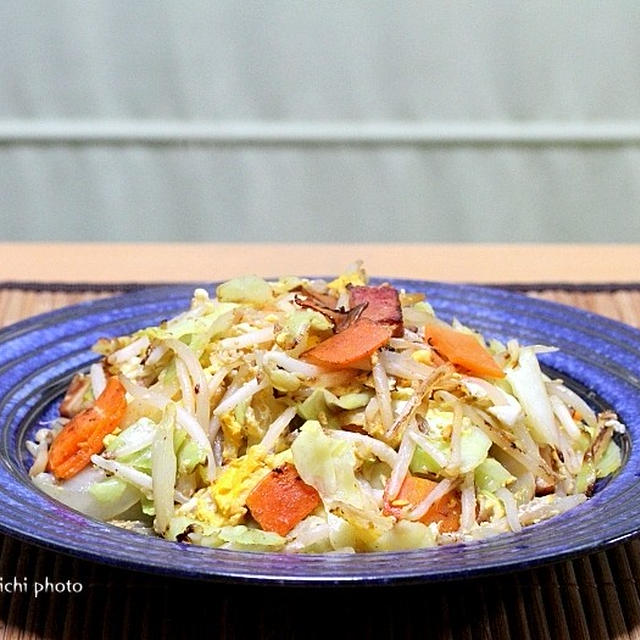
[38, 357]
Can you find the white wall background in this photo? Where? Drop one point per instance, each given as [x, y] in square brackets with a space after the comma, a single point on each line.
[348, 120]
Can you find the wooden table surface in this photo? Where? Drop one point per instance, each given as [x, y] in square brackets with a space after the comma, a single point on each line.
[595, 596]
[482, 263]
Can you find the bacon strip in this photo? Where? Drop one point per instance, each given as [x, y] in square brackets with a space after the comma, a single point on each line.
[383, 306]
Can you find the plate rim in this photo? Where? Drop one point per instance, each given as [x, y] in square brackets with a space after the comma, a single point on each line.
[182, 291]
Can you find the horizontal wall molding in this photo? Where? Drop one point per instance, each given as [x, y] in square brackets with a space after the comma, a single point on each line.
[257, 133]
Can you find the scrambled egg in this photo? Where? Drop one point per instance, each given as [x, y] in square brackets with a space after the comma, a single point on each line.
[422, 355]
[239, 428]
[354, 278]
[252, 427]
[233, 432]
[223, 502]
[231, 488]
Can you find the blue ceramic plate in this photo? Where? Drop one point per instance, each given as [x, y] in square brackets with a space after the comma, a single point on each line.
[39, 356]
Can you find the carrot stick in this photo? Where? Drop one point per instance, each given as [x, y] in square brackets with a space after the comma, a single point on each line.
[445, 511]
[347, 347]
[281, 500]
[462, 350]
[82, 436]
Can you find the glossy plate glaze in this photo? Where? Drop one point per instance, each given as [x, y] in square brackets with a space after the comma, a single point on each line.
[40, 355]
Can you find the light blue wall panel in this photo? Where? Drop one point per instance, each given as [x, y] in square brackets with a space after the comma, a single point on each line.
[320, 60]
[331, 194]
[69, 69]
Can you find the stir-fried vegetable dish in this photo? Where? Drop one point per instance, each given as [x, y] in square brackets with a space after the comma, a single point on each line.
[302, 415]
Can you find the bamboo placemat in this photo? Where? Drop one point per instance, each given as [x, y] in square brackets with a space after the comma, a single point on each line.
[596, 596]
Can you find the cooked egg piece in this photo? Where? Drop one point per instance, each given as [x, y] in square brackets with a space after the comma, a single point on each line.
[223, 502]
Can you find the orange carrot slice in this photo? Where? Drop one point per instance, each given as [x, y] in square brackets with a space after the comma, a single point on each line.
[281, 500]
[462, 350]
[82, 436]
[445, 511]
[349, 346]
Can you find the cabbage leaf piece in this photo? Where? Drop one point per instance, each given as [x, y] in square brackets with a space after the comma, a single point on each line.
[329, 465]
